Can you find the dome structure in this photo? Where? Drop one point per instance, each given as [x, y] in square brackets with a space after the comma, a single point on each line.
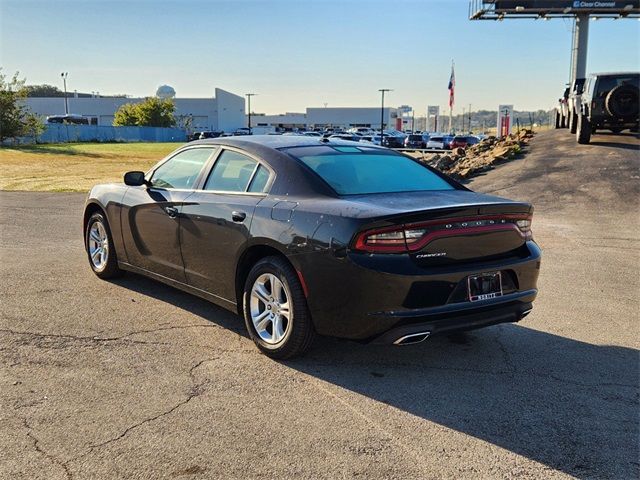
[165, 91]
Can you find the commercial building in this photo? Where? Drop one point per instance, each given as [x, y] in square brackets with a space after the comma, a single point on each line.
[225, 111]
[321, 117]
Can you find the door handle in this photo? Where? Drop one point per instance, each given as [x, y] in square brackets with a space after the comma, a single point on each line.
[238, 216]
[171, 211]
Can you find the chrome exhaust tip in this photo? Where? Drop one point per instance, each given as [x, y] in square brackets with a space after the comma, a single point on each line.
[525, 313]
[413, 338]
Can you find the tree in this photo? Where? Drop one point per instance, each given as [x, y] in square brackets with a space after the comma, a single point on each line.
[152, 112]
[43, 91]
[15, 118]
[33, 126]
[126, 115]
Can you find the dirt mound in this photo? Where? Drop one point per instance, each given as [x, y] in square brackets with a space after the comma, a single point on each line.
[461, 163]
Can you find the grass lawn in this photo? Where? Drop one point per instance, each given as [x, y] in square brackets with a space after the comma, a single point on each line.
[75, 167]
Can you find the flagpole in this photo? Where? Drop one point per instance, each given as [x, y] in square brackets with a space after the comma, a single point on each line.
[451, 99]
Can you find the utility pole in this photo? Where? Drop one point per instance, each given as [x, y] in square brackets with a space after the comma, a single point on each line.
[249, 95]
[382, 90]
[64, 76]
[469, 118]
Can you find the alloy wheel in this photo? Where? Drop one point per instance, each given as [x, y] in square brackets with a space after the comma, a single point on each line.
[98, 245]
[270, 308]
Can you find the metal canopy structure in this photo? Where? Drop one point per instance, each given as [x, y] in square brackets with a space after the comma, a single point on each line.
[532, 9]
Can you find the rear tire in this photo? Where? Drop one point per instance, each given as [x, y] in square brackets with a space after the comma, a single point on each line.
[583, 130]
[275, 309]
[557, 119]
[573, 122]
[100, 249]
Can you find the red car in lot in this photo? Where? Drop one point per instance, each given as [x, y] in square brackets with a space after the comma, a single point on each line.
[463, 141]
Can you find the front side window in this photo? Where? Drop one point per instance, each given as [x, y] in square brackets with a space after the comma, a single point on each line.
[362, 170]
[181, 170]
[232, 173]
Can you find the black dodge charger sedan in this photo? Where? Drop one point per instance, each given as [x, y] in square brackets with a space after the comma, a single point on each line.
[305, 236]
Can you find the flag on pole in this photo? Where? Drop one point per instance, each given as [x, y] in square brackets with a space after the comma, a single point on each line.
[452, 87]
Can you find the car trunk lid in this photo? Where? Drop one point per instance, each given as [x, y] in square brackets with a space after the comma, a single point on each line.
[457, 226]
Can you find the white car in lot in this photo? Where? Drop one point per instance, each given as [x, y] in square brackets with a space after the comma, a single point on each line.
[436, 142]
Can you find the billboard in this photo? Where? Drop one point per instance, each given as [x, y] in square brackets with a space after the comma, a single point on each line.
[588, 6]
[433, 110]
[499, 9]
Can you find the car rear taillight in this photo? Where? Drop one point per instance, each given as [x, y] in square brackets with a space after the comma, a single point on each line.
[524, 225]
[408, 238]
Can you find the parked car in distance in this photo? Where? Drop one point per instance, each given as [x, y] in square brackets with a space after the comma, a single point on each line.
[573, 103]
[302, 236]
[463, 141]
[242, 131]
[436, 142]
[440, 142]
[375, 139]
[562, 111]
[415, 140]
[392, 141]
[345, 136]
[70, 118]
[361, 131]
[205, 134]
[610, 101]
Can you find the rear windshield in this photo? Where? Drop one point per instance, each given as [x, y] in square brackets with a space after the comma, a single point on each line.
[606, 84]
[363, 170]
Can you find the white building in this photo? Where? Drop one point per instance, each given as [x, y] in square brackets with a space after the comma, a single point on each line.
[344, 117]
[225, 111]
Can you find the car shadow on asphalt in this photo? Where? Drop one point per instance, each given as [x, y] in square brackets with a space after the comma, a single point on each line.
[630, 143]
[567, 404]
[194, 305]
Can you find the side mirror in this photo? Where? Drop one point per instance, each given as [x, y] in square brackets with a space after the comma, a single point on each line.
[134, 179]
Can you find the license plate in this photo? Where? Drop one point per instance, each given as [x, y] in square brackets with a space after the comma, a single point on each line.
[485, 286]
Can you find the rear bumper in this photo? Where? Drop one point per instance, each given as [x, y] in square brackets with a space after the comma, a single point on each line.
[364, 298]
[512, 308]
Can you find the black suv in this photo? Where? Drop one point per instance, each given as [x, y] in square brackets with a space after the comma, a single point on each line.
[610, 101]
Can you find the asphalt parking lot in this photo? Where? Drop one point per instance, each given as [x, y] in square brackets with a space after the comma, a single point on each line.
[132, 379]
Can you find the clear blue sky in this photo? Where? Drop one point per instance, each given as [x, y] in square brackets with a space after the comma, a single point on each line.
[300, 53]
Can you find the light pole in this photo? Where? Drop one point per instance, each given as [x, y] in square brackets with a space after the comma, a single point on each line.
[64, 81]
[249, 95]
[382, 90]
[469, 118]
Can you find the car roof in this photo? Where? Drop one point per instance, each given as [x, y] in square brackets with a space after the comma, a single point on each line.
[609, 74]
[276, 142]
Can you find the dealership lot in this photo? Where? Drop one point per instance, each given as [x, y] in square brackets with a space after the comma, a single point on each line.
[132, 379]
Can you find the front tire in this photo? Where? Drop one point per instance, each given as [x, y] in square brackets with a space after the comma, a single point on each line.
[583, 130]
[275, 309]
[100, 248]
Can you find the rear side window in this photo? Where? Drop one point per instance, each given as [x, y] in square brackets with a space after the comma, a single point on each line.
[231, 172]
[359, 171]
[260, 180]
[181, 170]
